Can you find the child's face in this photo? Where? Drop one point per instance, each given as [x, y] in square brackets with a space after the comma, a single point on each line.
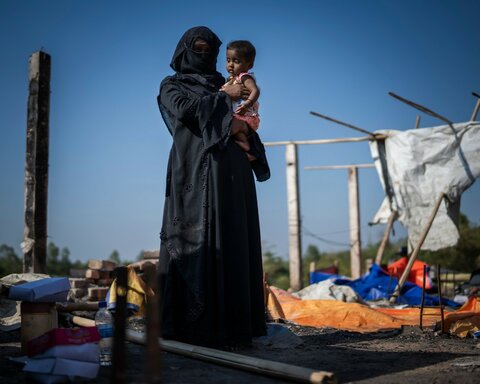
[236, 64]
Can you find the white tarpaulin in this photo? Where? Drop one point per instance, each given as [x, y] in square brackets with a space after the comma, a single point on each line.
[416, 166]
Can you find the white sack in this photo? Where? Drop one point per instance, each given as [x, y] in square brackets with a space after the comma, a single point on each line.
[421, 164]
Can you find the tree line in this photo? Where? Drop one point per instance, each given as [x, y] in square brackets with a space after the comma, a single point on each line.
[463, 257]
[58, 260]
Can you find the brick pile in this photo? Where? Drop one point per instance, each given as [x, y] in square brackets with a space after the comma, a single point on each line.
[149, 258]
[94, 282]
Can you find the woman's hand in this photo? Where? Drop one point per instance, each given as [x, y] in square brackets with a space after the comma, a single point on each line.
[236, 91]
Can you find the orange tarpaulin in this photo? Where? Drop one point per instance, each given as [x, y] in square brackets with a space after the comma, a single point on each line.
[361, 318]
[416, 273]
[328, 313]
[464, 320]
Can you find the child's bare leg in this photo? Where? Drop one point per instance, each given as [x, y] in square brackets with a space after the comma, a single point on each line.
[242, 140]
[239, 130]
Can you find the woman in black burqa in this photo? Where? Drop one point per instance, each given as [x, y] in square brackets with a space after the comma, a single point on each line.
[210, 255]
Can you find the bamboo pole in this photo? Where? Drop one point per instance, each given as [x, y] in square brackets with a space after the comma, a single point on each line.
[391, 219]
[416, 251]
[294, 221]
[477, 107]
[321, 167]
[247, 363]
[354, 219]
[417, 122]
[421, 108]
[324, 141]
[342, 123]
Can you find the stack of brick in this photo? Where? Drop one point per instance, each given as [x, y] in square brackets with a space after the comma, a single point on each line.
[99, 273]
[78, 283]
[149, 258]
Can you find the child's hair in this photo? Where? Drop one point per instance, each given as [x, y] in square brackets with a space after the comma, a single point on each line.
[245, 48]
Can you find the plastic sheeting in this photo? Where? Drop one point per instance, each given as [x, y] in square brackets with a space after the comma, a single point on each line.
[328, 313]
[360, 318]
[416, 273]
[328, 290]
[377, 284]
[466, 320]
[416, 166]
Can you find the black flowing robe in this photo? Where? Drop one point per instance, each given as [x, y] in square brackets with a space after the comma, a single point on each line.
[210, 254]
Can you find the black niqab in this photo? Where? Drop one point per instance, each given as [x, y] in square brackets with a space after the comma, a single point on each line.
[187, 61]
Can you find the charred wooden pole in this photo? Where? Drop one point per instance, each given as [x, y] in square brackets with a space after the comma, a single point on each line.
[294, 221]
[439, 288]
[422, 305]
[118, 375]
[153, 372]
[34, 243]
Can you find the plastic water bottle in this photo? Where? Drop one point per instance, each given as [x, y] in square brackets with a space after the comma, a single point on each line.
[104, 323]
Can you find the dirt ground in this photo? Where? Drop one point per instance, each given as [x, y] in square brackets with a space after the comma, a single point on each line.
[407, 356]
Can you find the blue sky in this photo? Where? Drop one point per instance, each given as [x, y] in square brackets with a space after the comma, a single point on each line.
[109, 146]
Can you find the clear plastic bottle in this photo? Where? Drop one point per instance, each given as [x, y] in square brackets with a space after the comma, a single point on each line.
[104, 323]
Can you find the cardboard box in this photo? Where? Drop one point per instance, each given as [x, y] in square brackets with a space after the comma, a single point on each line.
[84, 352]
[37, 319]
[49, 290]
[61, 367]
[62, 336]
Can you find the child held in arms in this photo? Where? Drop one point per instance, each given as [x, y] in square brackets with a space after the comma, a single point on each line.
[240, 60]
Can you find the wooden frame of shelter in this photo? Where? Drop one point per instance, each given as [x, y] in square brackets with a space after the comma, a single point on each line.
[293, 200]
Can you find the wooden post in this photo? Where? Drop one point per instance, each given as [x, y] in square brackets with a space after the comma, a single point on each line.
[354, 218]
[294, 222]
[118, 373]
[391, 219]
[153, 372]
[283, 371]
[417, 122]
[34, 243]
[475, 111]
[416, 251]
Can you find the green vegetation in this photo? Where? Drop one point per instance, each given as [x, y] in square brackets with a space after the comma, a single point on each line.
[9, 261]
[464, 257]
[58, 260]
[276, 269]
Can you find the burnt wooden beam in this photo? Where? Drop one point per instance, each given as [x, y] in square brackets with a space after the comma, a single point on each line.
[153, 371]
[118, 373]
[34, 243]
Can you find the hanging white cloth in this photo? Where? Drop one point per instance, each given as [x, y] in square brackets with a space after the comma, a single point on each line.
[415, 166]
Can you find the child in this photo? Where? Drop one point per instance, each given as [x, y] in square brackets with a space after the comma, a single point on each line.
[240, 59]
